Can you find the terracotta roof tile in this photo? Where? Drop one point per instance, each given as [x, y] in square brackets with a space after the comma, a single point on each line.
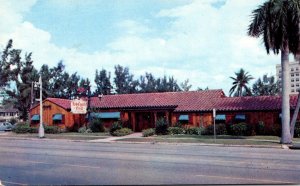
[64, 103]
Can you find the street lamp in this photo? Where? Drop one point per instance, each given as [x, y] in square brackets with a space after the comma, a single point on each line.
[41, 127]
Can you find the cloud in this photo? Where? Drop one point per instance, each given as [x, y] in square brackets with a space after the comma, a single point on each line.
[203, 42]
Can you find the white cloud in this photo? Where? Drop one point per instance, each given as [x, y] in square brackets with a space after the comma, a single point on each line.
[202, 43]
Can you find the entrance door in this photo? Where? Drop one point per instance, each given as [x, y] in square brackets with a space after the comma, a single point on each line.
[144, 121]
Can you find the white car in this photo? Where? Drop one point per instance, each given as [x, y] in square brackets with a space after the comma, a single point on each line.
[6, 126]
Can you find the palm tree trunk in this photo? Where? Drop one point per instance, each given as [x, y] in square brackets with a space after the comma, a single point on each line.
[285, 113]
[295, 115]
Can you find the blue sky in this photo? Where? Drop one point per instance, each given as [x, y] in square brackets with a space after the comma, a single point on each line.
[204, 41]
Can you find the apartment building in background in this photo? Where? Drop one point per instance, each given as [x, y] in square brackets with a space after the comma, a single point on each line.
[294, 76]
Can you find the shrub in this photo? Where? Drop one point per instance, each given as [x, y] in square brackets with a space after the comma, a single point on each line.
[115, 126]
[220, 129]
[82, 129]
[122, 132]
[178, 124]
[51, 129]
[276, 130]
[96, 126]
[176, 130]
[161, 127]
[24, 127]
[148, 132]
[194, 130]
[260, 128]
[297, 130]
[241, 129]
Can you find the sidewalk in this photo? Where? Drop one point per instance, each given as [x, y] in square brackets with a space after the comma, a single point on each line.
[114, 138]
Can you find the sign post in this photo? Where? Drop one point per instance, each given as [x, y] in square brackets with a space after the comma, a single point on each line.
[214, 116]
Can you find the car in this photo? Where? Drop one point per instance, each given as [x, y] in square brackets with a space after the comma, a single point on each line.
[6, 126]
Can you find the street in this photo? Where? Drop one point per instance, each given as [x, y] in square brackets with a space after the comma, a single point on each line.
[44, 162]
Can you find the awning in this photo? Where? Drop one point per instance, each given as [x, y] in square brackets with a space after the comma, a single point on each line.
[240, 117]
[106, 115]
[220, 117]
[183, 118]
[35, 117]
[57, 117]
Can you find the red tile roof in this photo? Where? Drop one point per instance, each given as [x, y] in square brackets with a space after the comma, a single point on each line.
[146, 100]
[184, 101]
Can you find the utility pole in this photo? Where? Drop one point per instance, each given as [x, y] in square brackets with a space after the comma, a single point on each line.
[214, 116]
[41, 127]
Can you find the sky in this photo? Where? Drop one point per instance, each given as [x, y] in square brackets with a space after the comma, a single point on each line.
[204, 41]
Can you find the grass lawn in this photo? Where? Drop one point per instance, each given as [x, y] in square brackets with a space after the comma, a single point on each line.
[69, 135]
[222, 139]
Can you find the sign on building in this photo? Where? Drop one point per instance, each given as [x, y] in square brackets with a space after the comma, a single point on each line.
[78, 106]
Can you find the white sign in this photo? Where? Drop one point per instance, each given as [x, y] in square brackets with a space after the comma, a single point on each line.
[78, 106]
[214, 113]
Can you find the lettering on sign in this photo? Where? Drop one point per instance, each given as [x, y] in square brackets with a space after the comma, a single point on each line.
[78, 106]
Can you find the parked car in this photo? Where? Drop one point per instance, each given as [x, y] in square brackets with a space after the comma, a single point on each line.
[6, 126]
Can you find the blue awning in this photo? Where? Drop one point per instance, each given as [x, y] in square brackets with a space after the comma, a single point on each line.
[220, 117]
[106, 115]
[57, 117]
[35, 117]
[183, 118]
[240, 117]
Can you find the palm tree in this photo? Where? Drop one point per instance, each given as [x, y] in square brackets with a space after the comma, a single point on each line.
[277, 21]
[240, 82]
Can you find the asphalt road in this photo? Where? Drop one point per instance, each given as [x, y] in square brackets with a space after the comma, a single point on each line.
[45, 162]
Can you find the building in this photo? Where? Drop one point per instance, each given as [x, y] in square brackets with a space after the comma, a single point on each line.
[56, 112]
[193, 109]
[294, 76]
[7, 114]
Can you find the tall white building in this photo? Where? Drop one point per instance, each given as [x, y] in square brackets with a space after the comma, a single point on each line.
[294, 76]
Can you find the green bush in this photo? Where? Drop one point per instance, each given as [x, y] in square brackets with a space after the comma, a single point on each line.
[275, 130]
[220, 129]
[178, 124]
[148, 132]
[82, 129]
[297, 130]
[122, 132]
[24, 127]
[260, 128]
[241, 129]
[176, 130]
[51, 129]
[161, 127]
[96, 126]
[194, 130]
[115, 126]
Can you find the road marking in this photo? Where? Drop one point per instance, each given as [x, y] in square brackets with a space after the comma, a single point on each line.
[65, 164]
[237, 178]
[13, 183]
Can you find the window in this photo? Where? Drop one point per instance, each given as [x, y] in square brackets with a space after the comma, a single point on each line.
[297, 68]
[293, 90]
[292, 80]
[297, 79]
[292, 69]
[292, 85]
[220, 118]
[297, 74]
[57, 119]
[297, 85]
[292, 74]
[240, 117]
[106, 115]
[35, 119]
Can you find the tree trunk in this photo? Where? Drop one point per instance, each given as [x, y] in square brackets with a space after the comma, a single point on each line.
[285, 113]
[295, 115]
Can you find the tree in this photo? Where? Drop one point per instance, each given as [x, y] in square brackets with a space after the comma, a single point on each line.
[277, 21]
[5, 65]
[102, 80]
[185, 85]
[265, 86]
[148, 83]
[124, 81]
[240, 83]
[21, 77]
